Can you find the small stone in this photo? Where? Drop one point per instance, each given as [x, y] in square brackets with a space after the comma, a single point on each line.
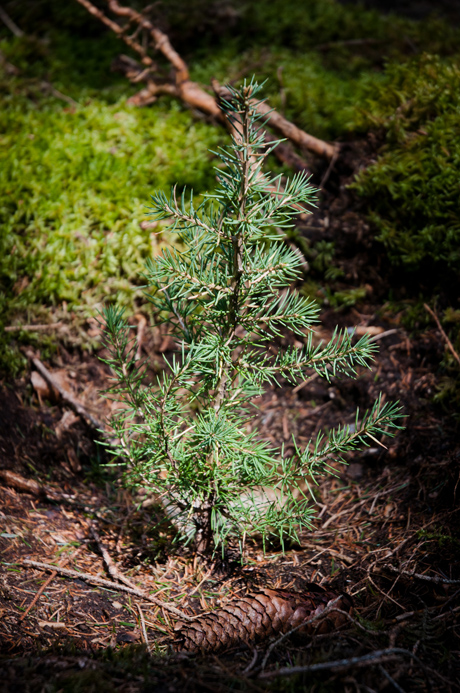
[355, 470]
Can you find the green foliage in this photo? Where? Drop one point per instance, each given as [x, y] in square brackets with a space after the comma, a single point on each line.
[71, 201]
[412, 189]
[225, 293]
[347, 297]
[59, 191]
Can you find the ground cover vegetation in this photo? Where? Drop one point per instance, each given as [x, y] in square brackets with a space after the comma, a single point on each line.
[351, 89]
[386, 533]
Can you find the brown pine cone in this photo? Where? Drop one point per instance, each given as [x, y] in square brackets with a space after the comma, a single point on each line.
[258, 616]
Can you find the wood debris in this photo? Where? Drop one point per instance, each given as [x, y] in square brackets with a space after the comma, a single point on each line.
[182, 87]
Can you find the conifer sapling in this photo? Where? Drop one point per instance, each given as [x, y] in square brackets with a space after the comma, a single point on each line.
[225, 293]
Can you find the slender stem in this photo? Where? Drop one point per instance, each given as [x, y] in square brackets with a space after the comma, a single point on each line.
[202, 514]
[238, 246]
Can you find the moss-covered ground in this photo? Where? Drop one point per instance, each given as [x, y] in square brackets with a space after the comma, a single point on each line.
[78, 164]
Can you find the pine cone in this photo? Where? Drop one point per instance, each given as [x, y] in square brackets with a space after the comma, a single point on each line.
[258, 616]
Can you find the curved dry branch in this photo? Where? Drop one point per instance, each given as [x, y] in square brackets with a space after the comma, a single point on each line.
[161, 41]
[119, 31]
[295, 134]
[185, 89]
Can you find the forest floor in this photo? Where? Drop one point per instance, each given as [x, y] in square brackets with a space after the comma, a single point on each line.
[387, 529]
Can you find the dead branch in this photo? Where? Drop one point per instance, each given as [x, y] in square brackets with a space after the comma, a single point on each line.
[284, 150]
[286, 154]
[119, 31]
[420, 576]
[191, 93]
[160, 39]
[196, 98]
[33, 328]
[12, 26]
[72, 401]
[106, 583]
[370, 659]
[30, 486]
[295, 134]
[21, 484]
[450, 346]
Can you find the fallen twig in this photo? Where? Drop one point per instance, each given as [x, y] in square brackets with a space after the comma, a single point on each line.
[143, 628]
[58, 94]
[12, 26]
[370, 659]
[362, 502]
[389, 678]
[328, 171]
[382, 592]
[111, 566]
[106, 583]
[38, 595]
[450, 346]
[306, 382]
[117, 29]
[72, 401]
[428, 578]
[295, 134]
[328, 549]
[251, 664]
[44, 586]
[33, 328]
[31, 486]
[286, 154]
[387, 333]
[21, 484]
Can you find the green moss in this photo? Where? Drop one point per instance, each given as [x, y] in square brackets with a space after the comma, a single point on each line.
[74, 185]
[75, 182]
[321, 100]
[413, 188]
[438, 537]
